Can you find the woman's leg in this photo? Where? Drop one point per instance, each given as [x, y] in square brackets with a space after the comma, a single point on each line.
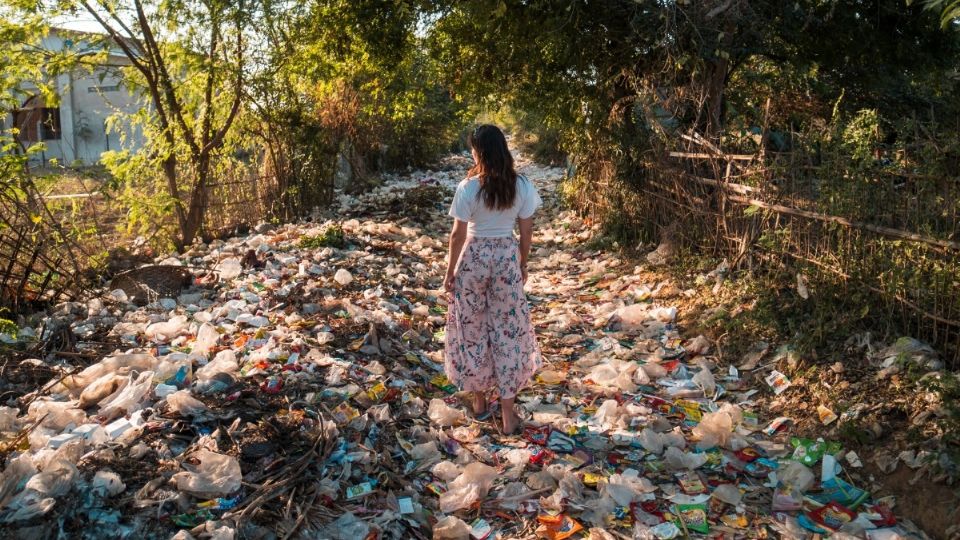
[510, 419]
[479, 402]
[513, 344]
[466, 349]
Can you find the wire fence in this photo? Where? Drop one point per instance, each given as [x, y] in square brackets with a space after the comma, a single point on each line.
[891, 234]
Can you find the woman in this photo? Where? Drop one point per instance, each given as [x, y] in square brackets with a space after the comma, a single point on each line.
[490, 342]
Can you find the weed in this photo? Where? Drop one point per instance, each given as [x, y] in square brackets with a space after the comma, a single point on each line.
[332, 236]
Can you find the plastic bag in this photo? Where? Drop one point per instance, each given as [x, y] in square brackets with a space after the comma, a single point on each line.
[471, 486]
[27, 505]
[223, 362]
[107, 484]
[18, 470]
[101, 388]
[185, 404]
[651, 441]
[8, 419]
[207, 338]
[627, 487]
[444, 415]
[632, 317]
[446, 470]
[654, 370]
[697, 346]
[728, 493]
[229, 268]
[716, 428]
[345, 527]
[704, 379]
[216, 475]
[451, 528]
[608, 415]
[57, 415]
[128, 399]
[343, 277]
[167, 330]
[55, 481]
[678, 459]
[121, 364]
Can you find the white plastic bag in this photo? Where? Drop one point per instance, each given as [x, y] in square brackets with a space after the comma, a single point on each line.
[627, 487]
[678, 459]
[223, 362]
[728, 493]
[343, 277]
[229, 268]
[446, 470]
[185, 404]
[216, 475]
[165, 331]
[451, 528]
[107, 484]
[129, 398]
[207, 338]
[444, 415]
[468, 488]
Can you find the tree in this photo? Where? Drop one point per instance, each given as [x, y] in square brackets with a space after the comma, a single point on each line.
[189, 57]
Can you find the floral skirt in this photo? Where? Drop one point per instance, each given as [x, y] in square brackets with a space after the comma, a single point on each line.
[490, 340]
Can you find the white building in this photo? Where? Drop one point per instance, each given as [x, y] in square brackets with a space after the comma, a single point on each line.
[75, 130]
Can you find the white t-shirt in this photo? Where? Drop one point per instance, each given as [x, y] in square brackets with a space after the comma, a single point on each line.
[486, 223]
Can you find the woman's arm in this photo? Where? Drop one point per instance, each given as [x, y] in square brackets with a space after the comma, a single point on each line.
[457, 237]
[526, 238]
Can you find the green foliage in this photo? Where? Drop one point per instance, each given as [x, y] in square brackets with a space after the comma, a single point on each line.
[861, 134]
[332, 236]
[8, 327]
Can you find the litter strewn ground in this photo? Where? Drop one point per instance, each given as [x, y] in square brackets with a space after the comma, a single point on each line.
[295, 390]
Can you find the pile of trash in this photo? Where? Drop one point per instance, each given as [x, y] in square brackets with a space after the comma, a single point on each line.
[296, 389]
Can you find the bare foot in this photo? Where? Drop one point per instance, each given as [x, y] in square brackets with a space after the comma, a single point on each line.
[479, 403]
[510, 419]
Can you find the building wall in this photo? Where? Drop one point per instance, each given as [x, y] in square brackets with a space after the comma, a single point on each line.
[87, 99]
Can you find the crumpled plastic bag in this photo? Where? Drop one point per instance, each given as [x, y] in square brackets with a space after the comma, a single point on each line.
[697, 346]
[57, 415]
[716, 428]
[446, 470]
[704, 379]
[627, 487]
[167, 330]
[471, 486]
[184, 404]
[121, 364]
[18, 470]
[100, 389]
[651, 441]
[8, 419]
[451, 528]
[728, 493]
[444, 415]
[28, 504]
[216, 475]
[207, 338]
[56, 479]
[608, 415]
[678, 459]
[128, 399]
[224, 362]
[614, 374]
[107, 484]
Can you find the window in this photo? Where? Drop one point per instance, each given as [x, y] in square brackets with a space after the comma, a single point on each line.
[107, 88]
[50, 123]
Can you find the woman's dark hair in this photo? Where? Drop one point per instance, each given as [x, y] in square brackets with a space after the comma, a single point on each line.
[498, 179]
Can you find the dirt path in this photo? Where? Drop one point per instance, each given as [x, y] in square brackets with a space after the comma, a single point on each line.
[316, 387]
